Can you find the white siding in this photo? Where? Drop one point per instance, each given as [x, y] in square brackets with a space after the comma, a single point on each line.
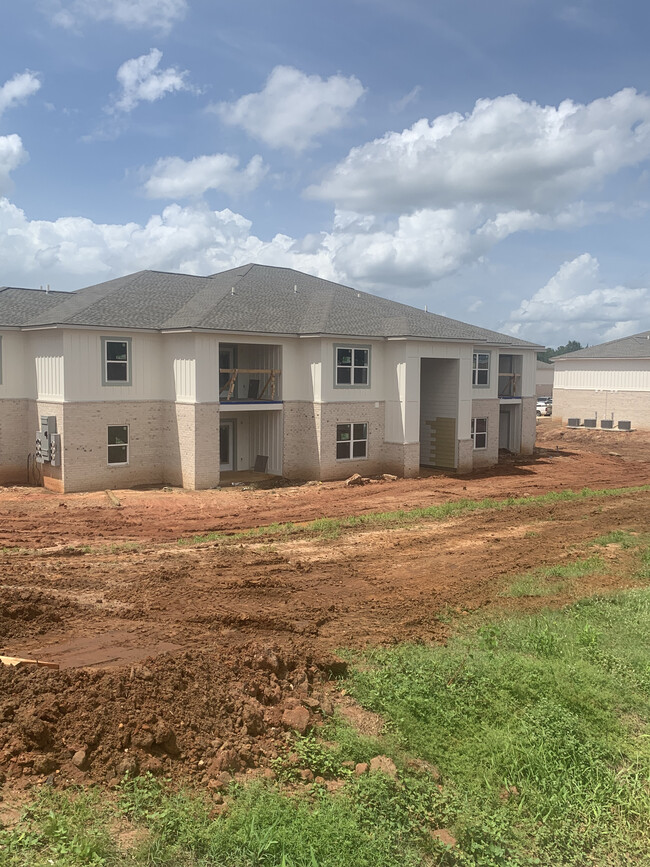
[47, 349]
[603, 374]
[15, 379]
[84, 367]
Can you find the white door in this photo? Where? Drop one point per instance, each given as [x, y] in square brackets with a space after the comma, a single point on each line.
[227, 445]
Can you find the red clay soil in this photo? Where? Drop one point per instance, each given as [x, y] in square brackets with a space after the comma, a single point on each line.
[197, 659]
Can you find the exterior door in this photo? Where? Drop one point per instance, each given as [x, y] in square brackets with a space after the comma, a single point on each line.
[227, 362]
[504, 429]
[227, 446]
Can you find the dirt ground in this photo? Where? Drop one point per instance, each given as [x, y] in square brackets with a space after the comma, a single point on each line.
[196, 659]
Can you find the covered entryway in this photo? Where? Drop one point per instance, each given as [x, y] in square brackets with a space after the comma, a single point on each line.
[251, 440]
[510, 428]
[439, 412]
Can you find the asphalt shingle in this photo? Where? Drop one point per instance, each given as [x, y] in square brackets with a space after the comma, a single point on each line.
[252, 298]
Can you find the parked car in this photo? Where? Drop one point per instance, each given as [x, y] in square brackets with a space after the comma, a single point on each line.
[545, 406]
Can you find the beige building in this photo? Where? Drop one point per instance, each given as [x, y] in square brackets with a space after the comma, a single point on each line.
[159, 378]
[544, 379]
[605, 385]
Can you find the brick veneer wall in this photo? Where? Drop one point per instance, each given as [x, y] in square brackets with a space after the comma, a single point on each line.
[487, 408]
[528, 425]
[14, 442]
[631, 406]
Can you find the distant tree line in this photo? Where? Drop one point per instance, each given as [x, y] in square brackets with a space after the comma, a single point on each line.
[549, 352]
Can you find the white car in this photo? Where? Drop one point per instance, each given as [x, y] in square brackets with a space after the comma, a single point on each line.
[545, 406]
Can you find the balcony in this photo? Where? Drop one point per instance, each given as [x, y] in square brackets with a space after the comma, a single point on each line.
[249, 385]
[509, 385]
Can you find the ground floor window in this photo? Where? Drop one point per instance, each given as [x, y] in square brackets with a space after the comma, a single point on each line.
[479, 433]
[118, 444]
[351, 441]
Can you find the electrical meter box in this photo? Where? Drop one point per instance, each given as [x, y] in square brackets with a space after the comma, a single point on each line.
[48, 442]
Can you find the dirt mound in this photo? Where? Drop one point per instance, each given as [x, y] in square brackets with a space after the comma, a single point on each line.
[208, 714]
[31, 612]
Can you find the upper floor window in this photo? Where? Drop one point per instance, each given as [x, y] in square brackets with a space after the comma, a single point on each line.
[481, 368]
[352, 366]
[116, 361]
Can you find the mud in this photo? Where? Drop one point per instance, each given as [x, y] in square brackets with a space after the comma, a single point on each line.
[197, 659]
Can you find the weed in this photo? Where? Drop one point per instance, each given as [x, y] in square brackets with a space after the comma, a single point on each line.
[537, 583]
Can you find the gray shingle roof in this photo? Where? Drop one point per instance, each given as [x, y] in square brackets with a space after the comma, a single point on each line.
[252, 298]
[18, 306]
[636, 346]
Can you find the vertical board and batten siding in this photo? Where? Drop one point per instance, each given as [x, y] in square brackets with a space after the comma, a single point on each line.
[438, 412]
[48, 349]
[330, 393]
[257, 433]
[84, 367]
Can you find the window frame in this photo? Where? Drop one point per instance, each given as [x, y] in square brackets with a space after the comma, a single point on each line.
[352, 347]
[106, 361]
[352, 441]
[475, 434]
[110, 445]
[476, 370]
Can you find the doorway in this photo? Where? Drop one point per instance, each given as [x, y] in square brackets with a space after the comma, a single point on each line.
[227, 445]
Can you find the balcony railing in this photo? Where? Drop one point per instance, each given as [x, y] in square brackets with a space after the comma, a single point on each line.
[260, 384]
[509, 385]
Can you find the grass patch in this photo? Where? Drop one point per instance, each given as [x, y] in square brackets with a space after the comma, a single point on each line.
[539, 727]
[330, 528]
[550, 580]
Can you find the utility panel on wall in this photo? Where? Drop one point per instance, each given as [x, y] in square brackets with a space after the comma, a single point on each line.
[48, 442]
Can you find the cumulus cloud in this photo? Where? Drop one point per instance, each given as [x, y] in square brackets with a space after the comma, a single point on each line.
[142, 81]
[18, 89]
[172, 177]
[159, 15]
[576, 300]
[74, 251]
[12, 154]
[506, 154]
[293, 109]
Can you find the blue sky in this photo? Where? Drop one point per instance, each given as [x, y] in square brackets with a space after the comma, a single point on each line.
[488, 160]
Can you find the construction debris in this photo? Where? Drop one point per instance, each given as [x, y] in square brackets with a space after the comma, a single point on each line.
[18, 662]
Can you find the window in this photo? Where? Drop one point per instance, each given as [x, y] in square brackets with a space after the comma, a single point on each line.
[481, 368]
[116, 355]
[352, 366]
[118, 444]
[351, 441]
[479, 433]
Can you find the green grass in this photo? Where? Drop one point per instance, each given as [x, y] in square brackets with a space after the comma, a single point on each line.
[330, 528]
[555, 705]
[550, 580]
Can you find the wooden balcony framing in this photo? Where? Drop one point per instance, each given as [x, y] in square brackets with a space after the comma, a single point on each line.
[267, 392]
[510, 386]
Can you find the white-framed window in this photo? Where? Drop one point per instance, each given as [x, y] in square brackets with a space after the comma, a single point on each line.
[351, 441]
[118, 444]
[481, 368]
[479, 432]
[116, 361]
[352, 366]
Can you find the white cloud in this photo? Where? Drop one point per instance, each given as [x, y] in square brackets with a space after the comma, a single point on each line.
[157, 15]
[293, 109]
[407, 99]
[74, 251]
[507, 154]
[576, 304]
[12, 154]
[142, 81]
[18, 89]
[172, 177]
